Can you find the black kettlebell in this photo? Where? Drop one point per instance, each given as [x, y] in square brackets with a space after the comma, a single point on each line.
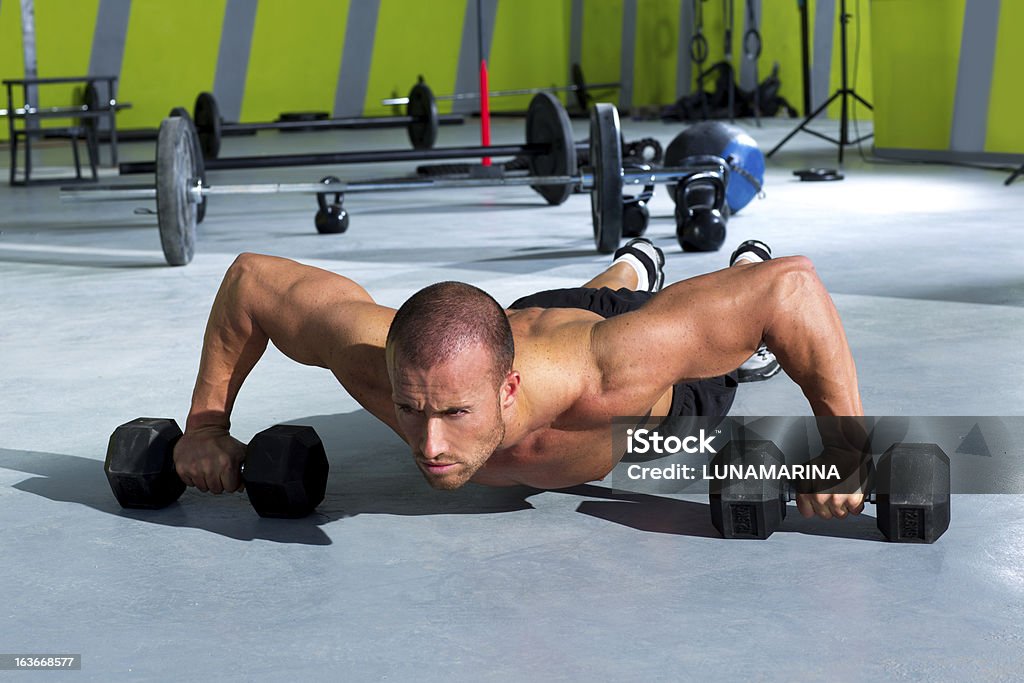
[700, 212]
[635, 214]
[330, 218]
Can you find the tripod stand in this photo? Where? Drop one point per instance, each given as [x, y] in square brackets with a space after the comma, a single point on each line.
[1016, 174]
[844, 94]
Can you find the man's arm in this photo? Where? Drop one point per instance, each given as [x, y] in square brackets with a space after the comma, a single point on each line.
[708, 325]
[312, 316]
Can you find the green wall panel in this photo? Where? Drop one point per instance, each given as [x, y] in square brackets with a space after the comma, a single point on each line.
[780, 36]
[295, 57]
[12, 63]
[602, 43]
[1007, 101]
[62, 47]
[170, 55]
[415, 38]
[530, 49]
[915, 80]
[657, 47]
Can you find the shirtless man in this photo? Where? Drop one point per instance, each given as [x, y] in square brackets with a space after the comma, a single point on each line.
[524, 395]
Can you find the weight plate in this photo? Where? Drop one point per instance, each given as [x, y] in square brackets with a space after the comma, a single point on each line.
[547, 123]
[606, 158]
[199, 167]
[176, 215]
[91, 99]
[422, 109]
[580, 88]
[206, 115]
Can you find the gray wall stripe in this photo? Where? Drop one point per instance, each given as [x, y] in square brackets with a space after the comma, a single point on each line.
[28, 52]
[108, 40]
[356, 58]
[628, 54]
[684, 66]
[974, 75]
[467, 75]
[750, 70]
[109, 37]
[575, 39]
[233, 57]
[825, 22]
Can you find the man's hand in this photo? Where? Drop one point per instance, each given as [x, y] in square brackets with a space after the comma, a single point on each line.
[210, 459]
[829, 505]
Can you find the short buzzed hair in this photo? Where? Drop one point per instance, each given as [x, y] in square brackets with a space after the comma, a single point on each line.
[441, 321]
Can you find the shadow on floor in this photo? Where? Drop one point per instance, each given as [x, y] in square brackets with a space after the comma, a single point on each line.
[372, 473]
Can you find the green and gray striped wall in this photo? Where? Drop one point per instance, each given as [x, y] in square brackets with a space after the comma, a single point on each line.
[940, 72]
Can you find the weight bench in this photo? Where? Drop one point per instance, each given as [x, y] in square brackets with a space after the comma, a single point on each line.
[89, 114]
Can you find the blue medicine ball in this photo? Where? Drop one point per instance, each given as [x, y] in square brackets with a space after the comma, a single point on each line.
[740, 151]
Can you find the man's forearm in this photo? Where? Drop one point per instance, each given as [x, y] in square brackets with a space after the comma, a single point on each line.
[232, 345]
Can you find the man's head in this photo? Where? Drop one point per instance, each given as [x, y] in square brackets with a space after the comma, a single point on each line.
[449, 355]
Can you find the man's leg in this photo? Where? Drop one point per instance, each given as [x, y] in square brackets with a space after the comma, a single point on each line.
[763, 364]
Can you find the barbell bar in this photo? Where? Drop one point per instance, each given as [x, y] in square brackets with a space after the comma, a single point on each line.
[579, 86]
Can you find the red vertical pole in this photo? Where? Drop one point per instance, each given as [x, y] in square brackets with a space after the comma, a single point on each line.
[485, 111]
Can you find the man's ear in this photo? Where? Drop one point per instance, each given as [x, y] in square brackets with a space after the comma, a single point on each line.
[510, 389]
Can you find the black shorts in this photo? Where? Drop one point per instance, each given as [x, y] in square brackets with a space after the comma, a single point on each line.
[706, 397]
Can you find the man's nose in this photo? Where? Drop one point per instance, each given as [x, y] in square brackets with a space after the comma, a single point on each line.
[433, 443]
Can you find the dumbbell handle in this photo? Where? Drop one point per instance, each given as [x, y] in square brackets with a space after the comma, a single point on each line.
[791, 493]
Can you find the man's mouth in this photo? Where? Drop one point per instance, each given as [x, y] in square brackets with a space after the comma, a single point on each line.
[437, 468]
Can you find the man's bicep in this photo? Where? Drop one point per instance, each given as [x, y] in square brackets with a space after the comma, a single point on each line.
[310, 314]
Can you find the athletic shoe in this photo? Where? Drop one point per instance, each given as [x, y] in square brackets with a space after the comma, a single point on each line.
[759, 367]
[753, 251]
[647, 260]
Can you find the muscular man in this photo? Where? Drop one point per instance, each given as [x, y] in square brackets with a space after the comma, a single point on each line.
[524, 395]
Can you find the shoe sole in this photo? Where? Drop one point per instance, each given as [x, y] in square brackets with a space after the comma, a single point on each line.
[759, 375]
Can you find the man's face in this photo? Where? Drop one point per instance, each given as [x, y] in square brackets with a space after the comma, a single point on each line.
[451, 415]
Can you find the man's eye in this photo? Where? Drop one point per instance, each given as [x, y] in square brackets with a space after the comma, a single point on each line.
[406, 410]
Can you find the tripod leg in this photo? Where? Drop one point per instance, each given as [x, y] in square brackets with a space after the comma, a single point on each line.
[804, 123]
[1013, 176]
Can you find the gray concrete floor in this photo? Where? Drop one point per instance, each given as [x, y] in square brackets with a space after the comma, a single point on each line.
[394, 581]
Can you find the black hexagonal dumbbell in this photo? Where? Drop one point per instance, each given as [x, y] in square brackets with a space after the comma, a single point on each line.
[285, 469]
[911, 492]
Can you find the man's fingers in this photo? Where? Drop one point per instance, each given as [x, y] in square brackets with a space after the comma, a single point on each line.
[803, 504]
[230, 481]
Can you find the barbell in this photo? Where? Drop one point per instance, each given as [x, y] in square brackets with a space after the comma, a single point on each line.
[549, 149]
[421, 120]
[179, 189]
[578, 88]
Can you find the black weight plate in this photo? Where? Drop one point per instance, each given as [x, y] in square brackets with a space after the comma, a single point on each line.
[91, 99]
[176, 215]
[580, 88]
[422, 109]
[197, 158]
[606, 161]
[206, 115]
[547, 123]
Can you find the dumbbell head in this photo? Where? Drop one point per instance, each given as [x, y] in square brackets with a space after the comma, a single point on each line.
[285, 471]
[140, 463]
[747, 507]
[912, 493]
